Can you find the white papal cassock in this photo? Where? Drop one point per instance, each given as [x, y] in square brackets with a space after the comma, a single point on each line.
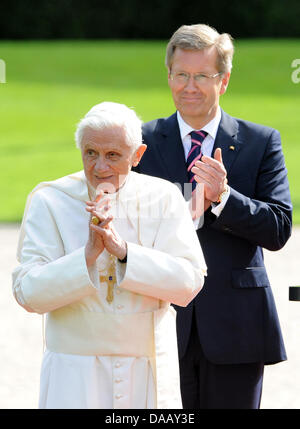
[98, 354]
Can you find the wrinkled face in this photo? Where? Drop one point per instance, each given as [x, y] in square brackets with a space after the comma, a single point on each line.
[107, 157]
[197, 102]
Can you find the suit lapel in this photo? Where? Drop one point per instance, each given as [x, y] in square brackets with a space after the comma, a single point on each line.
[227, 140]
[171, 151]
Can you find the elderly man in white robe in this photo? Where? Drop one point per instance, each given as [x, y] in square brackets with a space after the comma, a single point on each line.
[103, 253]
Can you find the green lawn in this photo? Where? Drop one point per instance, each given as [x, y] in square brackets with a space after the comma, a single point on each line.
[51, 85]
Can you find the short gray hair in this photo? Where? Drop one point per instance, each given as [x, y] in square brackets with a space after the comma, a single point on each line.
[109, 115]
[198, 37]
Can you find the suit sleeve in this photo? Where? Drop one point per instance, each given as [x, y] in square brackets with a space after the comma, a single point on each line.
[264, 219]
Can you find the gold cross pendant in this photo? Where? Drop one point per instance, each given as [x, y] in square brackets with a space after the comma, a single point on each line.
[110, 280]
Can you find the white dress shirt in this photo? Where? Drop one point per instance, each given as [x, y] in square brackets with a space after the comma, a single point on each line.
[207, 146]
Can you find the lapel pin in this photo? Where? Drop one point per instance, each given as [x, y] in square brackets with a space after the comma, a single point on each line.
[231, 147]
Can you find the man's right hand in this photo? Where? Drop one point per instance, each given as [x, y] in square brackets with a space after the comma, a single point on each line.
[212, 173]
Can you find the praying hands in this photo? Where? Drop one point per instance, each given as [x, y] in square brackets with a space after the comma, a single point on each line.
[102, 234]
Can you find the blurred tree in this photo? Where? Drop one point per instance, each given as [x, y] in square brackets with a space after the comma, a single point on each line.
[145, 19]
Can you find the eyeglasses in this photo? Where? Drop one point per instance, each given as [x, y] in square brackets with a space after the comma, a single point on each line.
[199, 78]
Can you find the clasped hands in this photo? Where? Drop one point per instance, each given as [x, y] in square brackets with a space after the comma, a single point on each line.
[212, 175]
[103, 235]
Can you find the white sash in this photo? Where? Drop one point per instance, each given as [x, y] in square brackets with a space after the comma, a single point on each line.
[78, 331]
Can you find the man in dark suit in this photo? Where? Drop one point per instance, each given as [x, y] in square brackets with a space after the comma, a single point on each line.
[231, 329]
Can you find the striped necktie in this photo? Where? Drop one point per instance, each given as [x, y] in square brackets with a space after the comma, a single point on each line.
[195, 153]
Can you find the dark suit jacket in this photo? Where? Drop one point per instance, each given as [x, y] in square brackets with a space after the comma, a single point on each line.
[235, 311]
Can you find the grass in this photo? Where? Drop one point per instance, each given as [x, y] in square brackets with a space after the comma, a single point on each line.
[51, 85]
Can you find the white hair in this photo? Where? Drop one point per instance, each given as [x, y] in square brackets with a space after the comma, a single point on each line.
[107, 115]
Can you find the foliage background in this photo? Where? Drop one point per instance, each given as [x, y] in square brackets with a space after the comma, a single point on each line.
[145, 19]
[64, 56]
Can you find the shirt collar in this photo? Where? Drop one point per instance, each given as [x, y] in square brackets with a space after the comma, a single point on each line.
[211, 128]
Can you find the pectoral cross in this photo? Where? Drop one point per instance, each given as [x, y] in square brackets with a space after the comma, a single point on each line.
[110, 280]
